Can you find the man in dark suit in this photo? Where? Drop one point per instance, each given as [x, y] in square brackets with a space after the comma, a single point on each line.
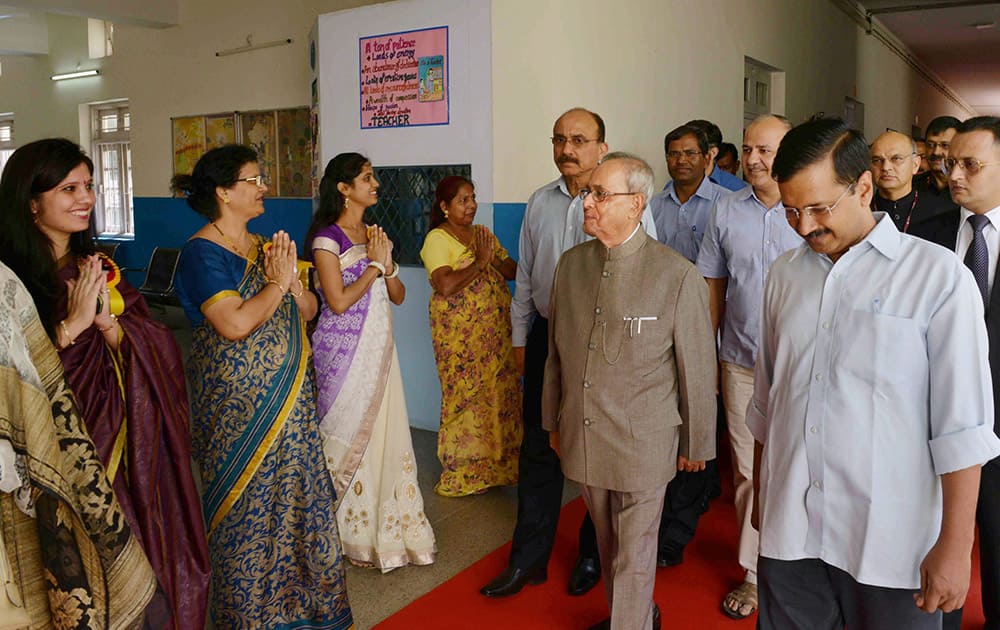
[973, 232]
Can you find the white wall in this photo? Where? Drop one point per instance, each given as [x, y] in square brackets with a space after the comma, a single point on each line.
[467, 139]
[649, 65]
[167, 72]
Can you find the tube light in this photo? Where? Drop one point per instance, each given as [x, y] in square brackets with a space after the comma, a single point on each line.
[75, 75]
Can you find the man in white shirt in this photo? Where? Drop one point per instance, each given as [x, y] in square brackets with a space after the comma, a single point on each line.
[872, 406]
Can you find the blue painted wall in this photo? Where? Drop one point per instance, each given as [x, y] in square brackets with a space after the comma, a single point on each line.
[169, 222]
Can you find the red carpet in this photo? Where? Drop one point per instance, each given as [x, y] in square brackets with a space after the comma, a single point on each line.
[689, 595]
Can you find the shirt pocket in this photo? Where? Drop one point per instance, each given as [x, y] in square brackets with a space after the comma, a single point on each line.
[881, 350]
[652, 407]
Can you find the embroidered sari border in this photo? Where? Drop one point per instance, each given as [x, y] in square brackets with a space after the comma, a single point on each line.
[227, 487]
[218, 297]
[352, 459]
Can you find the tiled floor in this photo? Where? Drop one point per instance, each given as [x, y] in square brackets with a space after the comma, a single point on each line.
[466, 528]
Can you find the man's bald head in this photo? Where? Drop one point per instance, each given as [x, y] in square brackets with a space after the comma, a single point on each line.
[894, 163]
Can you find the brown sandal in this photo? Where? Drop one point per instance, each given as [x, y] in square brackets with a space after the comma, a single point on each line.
[744, 595]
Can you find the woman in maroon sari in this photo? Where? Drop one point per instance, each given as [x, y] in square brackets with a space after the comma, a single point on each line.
[124, 368]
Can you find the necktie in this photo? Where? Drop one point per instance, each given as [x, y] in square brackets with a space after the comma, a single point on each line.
[978, 258]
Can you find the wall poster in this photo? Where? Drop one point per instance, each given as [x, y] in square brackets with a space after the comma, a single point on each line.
[282, 139]
[404, 78]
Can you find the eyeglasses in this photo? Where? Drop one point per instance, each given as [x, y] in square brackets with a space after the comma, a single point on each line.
[256, 180]
[600, 196]
[944, 146]
[896, 160]
[971, 166]
[689, 154]
[576, 141]
[794, 214]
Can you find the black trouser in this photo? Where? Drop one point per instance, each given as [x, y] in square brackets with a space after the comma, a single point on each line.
[687, 499]
[540, 479]
[812, 595]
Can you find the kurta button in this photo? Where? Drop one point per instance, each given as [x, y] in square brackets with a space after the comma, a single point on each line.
[598, 310]
[592, 346]
[586, 422]
[813, 430]
[605, 274]
[586, 384]
[826, 325]
[819, 377]
[817, 484]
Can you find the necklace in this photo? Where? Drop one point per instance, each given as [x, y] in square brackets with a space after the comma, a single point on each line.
[231, 244]
[454, 234]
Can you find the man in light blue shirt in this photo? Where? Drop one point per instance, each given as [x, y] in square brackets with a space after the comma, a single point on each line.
[681, 210]
[746, 232]
[714, 136]
[872, 406]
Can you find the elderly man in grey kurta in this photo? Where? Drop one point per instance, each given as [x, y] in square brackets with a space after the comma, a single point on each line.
[629, 392]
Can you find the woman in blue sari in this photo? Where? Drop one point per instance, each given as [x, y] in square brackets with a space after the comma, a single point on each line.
[268, 501]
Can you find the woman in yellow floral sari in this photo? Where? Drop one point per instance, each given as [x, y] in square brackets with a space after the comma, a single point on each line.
[480, 430]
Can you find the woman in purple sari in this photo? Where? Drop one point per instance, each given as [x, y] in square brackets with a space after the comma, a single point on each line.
[363, 419]
[124, 368]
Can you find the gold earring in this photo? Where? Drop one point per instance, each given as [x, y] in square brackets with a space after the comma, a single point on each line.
[225, 199]
[445, 214]
[345, 203]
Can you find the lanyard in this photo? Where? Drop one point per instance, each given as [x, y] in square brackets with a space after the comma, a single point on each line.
[909, 215]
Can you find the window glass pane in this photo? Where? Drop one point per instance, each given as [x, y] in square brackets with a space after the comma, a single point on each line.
[109, 121]
[126, 120]
[111, 187]
[4, 156]
[6, 131]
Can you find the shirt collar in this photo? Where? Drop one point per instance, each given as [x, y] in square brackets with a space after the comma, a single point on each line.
[747, 193]
[884, 237]
[559, 183]
[702, 191]
[993, 215]
[881, 203]
[631, 245]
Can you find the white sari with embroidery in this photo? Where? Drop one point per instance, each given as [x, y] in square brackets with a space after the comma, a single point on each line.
[364, 423]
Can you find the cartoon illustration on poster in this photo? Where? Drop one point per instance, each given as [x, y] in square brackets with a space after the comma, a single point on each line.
[404, 78]
[431, 79]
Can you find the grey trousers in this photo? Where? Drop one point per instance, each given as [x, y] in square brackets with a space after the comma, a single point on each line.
[627, 524]
[813, 595]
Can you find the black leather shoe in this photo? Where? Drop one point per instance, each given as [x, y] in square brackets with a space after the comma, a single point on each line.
[670, 555]
[586, 574]
[606, 624]
[512, 580]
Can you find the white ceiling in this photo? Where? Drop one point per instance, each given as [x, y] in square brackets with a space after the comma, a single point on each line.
[943, 35]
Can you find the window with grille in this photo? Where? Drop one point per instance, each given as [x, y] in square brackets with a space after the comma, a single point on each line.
[405, 197]
[112, 155]
[6, 138]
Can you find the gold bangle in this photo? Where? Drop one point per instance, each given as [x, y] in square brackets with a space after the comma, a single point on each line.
[69, 338]
[301, 289]
[114, 322]
[377, 266]
[277, 284]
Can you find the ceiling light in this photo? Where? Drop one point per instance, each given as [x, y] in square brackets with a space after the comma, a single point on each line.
[984, 26]
[75, 75]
